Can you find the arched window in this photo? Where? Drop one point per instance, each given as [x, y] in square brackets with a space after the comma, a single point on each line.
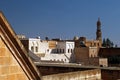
[98, 45]
[36, 49]
[69, 50]
[92, 55]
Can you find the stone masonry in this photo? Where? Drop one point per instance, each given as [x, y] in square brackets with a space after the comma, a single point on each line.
[9, 67]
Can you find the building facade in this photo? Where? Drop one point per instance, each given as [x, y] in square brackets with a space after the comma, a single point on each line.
[89, 56]
[62, 52]
[15, 64]
[50, 50]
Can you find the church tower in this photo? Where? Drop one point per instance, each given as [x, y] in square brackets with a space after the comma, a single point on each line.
[98, 32]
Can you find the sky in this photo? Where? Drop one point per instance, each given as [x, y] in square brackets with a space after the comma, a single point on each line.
[63, 18]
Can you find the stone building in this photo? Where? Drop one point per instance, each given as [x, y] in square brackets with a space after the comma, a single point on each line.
[15, 64]
[86, 51]
[35, 45]
[89, 56]
[13, 57]
[83, 42]
[112, 54]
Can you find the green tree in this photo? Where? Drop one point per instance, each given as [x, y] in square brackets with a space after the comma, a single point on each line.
[107, 43]
[104, 43]
[116, 45]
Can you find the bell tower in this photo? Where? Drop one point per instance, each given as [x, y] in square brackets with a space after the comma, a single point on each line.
[98, 31]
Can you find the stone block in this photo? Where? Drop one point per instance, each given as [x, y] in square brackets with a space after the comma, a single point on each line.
[13, 69]
[11, 77]
[4, 70]
[13, 61]
[21, 77]
[2, 77]
[19, 69]
[3, 52]
[4, 60]
[2, 44]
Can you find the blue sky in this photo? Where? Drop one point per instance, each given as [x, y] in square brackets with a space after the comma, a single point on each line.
[63, 18]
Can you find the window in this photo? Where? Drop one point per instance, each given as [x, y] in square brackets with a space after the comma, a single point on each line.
[68, 50]
[98, 45]
[60, 51]
[63, 51]
[94, 44]
[65, 59]
[91, 55]
[47, 50]
[32, 49]
[57, 50]
[71, 51]
[36, 48]
[91, 44]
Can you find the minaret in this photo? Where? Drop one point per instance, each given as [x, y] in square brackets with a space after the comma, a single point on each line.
[98, 32]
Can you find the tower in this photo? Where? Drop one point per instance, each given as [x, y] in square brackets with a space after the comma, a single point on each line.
[98, 32]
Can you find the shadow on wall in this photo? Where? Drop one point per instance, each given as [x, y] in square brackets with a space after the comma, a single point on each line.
[34, 57]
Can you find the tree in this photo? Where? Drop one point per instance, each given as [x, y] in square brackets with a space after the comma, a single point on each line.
[116, 45]
[46, 38]
[107, 43]
[104, 43]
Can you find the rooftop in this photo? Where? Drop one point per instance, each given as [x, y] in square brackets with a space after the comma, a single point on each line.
[73, 65]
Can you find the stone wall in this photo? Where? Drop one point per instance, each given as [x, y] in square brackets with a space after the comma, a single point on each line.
[89, 56]
[108, 52]
[103, 61]
[9, 67]
[93, 52]
[79, 75]
[81, 54]
[110, 74]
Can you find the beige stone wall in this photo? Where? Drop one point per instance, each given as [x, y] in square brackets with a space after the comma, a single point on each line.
[93, 51]
[103, 61]
[93, 43]
[9, 67]
[79, 75]
[89, 56]
[81, 54]
[88, 43]
[93, 61]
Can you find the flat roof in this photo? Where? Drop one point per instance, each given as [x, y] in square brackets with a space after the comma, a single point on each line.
[73, 65]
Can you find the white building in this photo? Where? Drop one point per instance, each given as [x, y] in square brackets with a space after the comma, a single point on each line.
[65, 47]
[63, 51]
[38, 46]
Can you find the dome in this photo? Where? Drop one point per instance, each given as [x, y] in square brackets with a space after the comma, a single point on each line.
[76, 38]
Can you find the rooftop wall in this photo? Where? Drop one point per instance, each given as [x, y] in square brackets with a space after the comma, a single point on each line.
[106, 52]
[80, 75]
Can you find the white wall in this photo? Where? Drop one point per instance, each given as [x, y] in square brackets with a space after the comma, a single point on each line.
[43, 47]
[58, 55]
[55, 57]
[66, 45]
[70, 46]
[37, 46]
[61, 55]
